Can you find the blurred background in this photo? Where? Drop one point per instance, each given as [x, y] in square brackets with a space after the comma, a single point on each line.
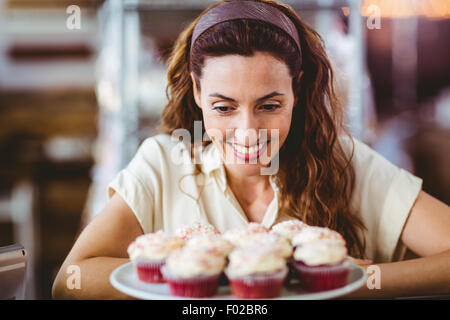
[82, 83]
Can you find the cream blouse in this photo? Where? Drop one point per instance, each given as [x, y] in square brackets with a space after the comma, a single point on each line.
[159, 187]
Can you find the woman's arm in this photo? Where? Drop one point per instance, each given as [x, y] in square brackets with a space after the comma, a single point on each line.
[100, 248]
[424, 276]
[426, 233]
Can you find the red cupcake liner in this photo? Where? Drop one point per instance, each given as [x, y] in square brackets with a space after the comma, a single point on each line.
[322, 277]
[257, 286]
[197, 287]
[150, 271]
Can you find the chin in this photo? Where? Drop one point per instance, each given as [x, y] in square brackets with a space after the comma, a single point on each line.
[245, 169]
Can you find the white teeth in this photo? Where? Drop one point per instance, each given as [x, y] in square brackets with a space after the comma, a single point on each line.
[245, 150]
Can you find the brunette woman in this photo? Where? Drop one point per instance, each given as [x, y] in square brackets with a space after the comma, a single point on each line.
[257, 80]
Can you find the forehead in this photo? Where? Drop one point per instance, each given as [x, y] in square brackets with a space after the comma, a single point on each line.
[236, 72]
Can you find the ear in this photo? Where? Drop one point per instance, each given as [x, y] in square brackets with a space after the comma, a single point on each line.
[195, 91]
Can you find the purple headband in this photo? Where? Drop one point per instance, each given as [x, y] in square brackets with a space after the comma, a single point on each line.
[244, 9]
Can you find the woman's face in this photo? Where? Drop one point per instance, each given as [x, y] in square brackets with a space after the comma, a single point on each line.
[247, 105]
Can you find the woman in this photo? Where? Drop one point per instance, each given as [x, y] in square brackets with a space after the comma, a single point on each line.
[257, 80]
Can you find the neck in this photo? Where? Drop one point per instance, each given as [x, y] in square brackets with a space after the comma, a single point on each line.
[248, 188]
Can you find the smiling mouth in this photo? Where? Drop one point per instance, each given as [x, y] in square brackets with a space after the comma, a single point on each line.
[248, 153]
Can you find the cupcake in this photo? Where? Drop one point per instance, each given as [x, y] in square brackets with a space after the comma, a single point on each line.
[193, 271]
[149, 252]
[237, 236]
[256, 272]
[275, 242]
[270, 241]
[322, 265]
[211, 241]
[214, 243]
[311, 234]
[306, 235]
[195, 228]
[288, 228]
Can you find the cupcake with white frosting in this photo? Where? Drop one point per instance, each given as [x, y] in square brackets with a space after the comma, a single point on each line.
[288, 228]
[213, 242]
[196, 228]
[149, 253]
[322, 264]
[193, 271]
[270, 241]
[256, 272]
[237, 236]
[311, 234]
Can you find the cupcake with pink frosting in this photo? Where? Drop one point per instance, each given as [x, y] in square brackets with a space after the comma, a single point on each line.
[196, 228]
[256, 272]
[149, 253]
[193, 271]
[322, 264]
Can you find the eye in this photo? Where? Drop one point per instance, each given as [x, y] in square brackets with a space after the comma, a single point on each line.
[270, 107]
[222, 109]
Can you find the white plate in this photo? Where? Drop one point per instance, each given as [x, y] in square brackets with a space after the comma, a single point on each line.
[124, 279]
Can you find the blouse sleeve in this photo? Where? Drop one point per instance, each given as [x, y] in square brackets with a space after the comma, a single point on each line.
[383, 196]
[138, 184]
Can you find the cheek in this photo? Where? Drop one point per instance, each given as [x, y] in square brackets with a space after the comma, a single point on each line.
[215, 128]
[282, 123]
[286, 125]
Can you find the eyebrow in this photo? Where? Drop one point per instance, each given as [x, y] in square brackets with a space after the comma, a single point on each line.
[267, 96]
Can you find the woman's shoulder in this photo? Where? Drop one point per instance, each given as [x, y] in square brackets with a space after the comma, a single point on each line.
[369, 164]
[160, 143]
[161, 139]
[359, 151]
[163, 150]
[350, 143]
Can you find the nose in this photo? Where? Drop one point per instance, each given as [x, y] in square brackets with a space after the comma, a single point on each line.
[246, 129]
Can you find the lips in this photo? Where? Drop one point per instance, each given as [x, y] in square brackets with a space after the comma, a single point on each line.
[247, 150]
[248, 153]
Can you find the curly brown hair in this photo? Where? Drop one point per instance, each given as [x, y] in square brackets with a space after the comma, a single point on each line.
[316, 180]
